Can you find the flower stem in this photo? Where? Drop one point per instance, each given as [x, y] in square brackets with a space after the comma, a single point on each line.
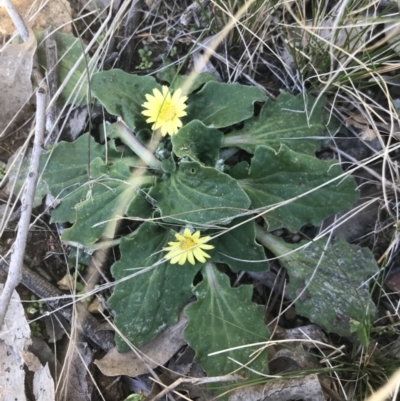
[226, 153]
[129, 139]
[271, 242]
[233, 140]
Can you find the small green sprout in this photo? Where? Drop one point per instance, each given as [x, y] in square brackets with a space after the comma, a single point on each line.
[35, 329]
[173, 51]
[35, 307]
[136, 397]
[144, 55]
[2, 170]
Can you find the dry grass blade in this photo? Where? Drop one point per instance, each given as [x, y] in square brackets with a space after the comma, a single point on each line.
[389, 390]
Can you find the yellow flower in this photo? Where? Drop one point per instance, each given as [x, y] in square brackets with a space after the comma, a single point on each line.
[189, 246]
[165, 110]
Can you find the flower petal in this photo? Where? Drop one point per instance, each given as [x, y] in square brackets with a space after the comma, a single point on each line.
[165, 109]
[180, 237]
[191, 258]
[165, 90]
[173, 253]
[157, 93]
[204, 246]
[175, 259]
[187, 233]
[205, 239]
[183, 258]
[188, 247]
[199, 255]
[196, 235]
[171, 249]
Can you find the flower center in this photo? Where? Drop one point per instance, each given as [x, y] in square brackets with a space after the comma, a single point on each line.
[189, 243]
[167, 112]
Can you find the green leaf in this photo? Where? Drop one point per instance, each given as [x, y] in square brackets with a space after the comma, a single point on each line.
[109, 195]
[63, 172]
[147, 303]
[198, 142]
[123, 95]
[67, 172]
[238, 249]
[278, 177]
[329, 284]
[219, 105]
[290, 120]
[169, 74]
[69, 50]
[141, 206]
[169, 165]
[221, 318]
[199, 194]
[362, 330]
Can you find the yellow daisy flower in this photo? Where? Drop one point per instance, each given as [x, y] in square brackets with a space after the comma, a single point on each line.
[189, 246]
[165, 110]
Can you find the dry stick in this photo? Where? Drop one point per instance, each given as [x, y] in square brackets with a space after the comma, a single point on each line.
[23, 30]
[18, 248]
[131, 25]
[195, 381]
[55, 300]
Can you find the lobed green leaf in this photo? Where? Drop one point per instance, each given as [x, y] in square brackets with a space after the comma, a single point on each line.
[199, 194]
[199, 142]
[63, 173]
[296, 121]
[223, 318]
[238, 248]
[328, 282]
[123, 95]
[147, 303]
[109, 194]
[286, 175]
[219, 105]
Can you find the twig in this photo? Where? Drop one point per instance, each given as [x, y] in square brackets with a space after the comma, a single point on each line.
[16, 18]
[131, 25]
[195, 381]
[55, 300]
[18, 249]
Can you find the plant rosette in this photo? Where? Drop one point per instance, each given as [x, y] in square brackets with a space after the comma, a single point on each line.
[197, 207]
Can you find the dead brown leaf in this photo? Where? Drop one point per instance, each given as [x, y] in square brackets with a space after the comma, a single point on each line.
[358, 121]
[31, 360]
[43, 384]
[39, 14]
[155, 353]
[14, 337]
[16, 62]
[67, 283]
